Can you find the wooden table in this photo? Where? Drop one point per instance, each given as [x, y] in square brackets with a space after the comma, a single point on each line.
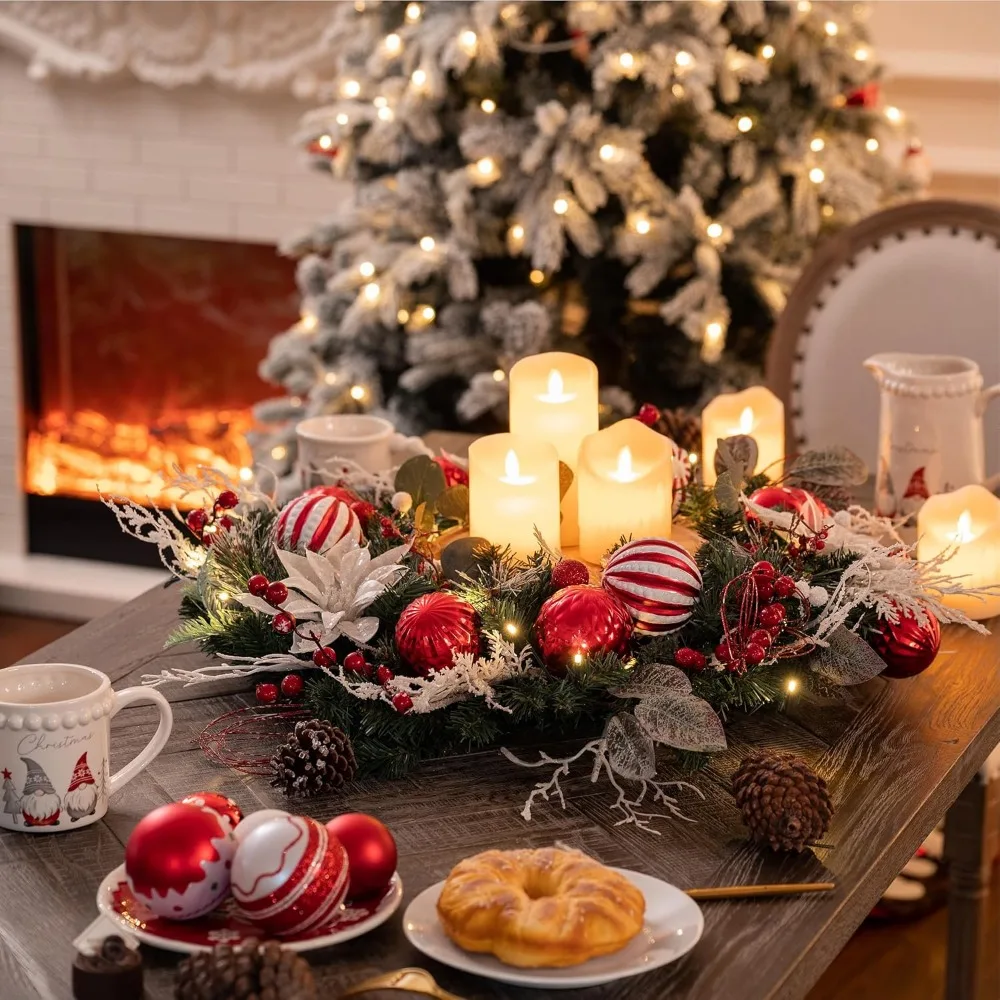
[897, 755]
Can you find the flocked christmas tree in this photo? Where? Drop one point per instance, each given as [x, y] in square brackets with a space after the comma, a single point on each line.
[637, 182]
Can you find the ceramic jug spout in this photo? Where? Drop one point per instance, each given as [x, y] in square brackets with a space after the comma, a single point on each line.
[881, 365]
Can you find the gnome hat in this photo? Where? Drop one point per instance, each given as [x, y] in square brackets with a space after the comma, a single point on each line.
[81, 774]
[37, 780]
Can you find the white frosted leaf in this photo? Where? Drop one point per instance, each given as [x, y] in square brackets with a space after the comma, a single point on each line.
[630, 748]
[654, 680]
[847, 660]
[682, 721]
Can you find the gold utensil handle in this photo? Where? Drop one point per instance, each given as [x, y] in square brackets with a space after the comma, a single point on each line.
[749, 891]
[408, 980]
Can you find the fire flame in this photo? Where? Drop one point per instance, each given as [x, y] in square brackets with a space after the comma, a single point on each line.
[556, 389]
[963, 530]
[625, 473]
[512, 471]
[746, 421]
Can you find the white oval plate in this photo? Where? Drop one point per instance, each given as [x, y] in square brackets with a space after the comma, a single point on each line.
[673, 927]
[225, 926]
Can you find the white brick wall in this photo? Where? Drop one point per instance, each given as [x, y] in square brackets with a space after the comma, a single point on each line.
[196, 161]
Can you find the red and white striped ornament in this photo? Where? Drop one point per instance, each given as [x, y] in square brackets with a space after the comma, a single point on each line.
[315, 521]
[657, 580]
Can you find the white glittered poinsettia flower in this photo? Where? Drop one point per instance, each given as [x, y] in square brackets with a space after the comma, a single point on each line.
[332, 590]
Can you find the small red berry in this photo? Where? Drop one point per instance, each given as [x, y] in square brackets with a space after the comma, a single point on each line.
[648, 414]
[196, 520]
[819, 545]
[389, 529]
[383, 675]
[364, 512]
[227, 500]
[568, 573]
[267, 694]
[283, 623]
[754, 653]
[771, 615]
[325, 656]
[291, 685]
[765, 590]
[760, 637]
[257, 584]
[689, 658]
[724, 653]
[402, 702]
[784, 586]
[764, 569]
[225, 523]
[277, 594]
[356, 663]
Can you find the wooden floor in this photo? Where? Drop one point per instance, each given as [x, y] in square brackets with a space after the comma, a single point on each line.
[898, 962]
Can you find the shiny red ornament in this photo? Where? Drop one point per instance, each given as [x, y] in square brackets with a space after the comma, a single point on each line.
[866, 96]
[227, 500]
[648, 414]
[580, 620]
[276, 594]
[760, 637]
[689, 658]
[907, 647]
[316, 520]
[724, 653]
[258, 584]
[325, 656]
[793, 500]
[402, 702]
[177, 860]
[454, 474]
[784, 586]
[338, 491]
[763, 570]
[283, 623]
[267, 694]
[196, 520]
[291, 685]
[754, 653]
[221, 805]
[771, 615]
[765, 590]
[289, 875]
[434, 629]
[568, 573]
[357, 664]
[371, 852]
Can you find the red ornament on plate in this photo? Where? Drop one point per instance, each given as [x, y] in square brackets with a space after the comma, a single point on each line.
[289, 875]
[221, 805]
[316, 521]
[793, 500]
[177, 860]
[580, 620]
[657, 580]
[371, 852]
[907, 647]
[434, 629]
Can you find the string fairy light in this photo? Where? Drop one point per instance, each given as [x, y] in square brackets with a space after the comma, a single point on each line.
[817, 144]
[385, 114]
[350, 88]
[607, 152]
[536, 277]
[427, 243]
[510, 628]
[816, 175]
[871, 145]
[413, 12]
[371, 291]
[714, 230]
[517, 232]
[325, 141]
[767, 52]
[831, 28]
[342, 119]
[403, 317]
[308, 322]
[381, 101]
[626, 60]
[560, 206]
[745, 123]
[418, 77]
[427, 314]
[683, 59]
[827, 211]
[499, 375]
[278, 452]
[861, 54]
[393, 44]
[330, 378]
[468, 40]
[366, 269]
[488, 105]
[791, 685]
[358, 392]
[894, 114]
[642, 225]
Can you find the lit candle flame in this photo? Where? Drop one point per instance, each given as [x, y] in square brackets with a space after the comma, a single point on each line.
[555, 392]
[624, 472]
[963, 530]
[512, 471]
[746, 421]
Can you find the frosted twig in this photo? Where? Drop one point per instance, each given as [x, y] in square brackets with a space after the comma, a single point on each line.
[235, 670]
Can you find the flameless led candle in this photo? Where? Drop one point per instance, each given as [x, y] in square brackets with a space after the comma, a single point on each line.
[553, 397]
[514, 489]
[967, 523]
[756, 412]
[626, 480]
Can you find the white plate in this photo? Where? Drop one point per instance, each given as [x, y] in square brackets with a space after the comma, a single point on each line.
[225, 926]
[673, 926]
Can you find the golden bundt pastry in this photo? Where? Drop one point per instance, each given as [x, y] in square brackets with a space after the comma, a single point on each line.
[540, 908]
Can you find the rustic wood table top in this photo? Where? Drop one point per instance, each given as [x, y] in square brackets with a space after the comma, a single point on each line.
[896, 755]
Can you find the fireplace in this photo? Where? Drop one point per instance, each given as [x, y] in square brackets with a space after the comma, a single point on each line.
[139, 355]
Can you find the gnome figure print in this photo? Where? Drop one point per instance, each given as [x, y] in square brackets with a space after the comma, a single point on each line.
[55, 734]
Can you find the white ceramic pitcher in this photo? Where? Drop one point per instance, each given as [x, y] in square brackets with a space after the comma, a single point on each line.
[930, 427]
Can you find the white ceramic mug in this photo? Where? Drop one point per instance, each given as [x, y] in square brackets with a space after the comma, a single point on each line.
[363, 439]
[55, 737]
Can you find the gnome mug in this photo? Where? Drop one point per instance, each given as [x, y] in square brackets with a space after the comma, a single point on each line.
[55, 736]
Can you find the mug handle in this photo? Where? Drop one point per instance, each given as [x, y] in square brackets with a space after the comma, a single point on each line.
[138, 763]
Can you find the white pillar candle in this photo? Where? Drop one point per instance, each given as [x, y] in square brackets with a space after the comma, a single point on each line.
[514, 489]
[967, 523]
[553, 397]
[626, 480]
[755, 411]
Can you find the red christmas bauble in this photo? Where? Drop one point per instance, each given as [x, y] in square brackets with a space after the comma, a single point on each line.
[434, 629]
[793, 500]
[371, 852]
[568, 573]
[316, 521]
[177, 860]
[579, 620]
[454, 474]
[648, 414]
[907, 647]
[221, 805]
[657, 580]
[289, 875]
[866, 96]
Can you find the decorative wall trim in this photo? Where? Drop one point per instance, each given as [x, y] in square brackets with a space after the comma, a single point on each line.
[255, 45]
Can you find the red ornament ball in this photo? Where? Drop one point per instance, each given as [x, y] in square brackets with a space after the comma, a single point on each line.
[579, 620]
[907, 647]
[177, 860]
[454, 474]
[371, 852]
[276, 594]
[221, 805]
[784, 587]
[283, 623]
[657, 580]
[771, 615]
[383, 675]
[754, 653]
[258, 584]
[316, 521]
[434, 629]
[227, 500]
[760, 637]
[325, 656]
[196, 520]
[569, 573]
[648, 414]
[291, 685]
[689, 658]
[793, 500]
[402, 702]
[356, 663]
[289, 875]
[763, 570]
[267, 694]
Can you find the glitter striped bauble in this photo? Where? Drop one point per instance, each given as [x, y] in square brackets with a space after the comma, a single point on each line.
[315, 521]
[657, 580]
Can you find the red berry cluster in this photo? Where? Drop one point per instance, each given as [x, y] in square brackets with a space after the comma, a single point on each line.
[357, 664]
[204, 525]
[749, 647]
[808, 544]
[291, 687]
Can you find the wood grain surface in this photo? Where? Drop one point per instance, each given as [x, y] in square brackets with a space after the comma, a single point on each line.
[896, 754]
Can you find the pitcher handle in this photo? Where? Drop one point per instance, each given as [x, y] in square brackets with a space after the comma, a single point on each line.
[142, 760]
[986, 397]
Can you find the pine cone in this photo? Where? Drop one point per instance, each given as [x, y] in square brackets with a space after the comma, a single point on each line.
[251, 971]
[682, 427]
[783, 802]
[316, 758]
